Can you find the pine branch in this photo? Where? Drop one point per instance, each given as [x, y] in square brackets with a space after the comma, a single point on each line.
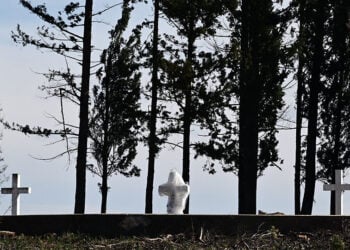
[40, 11]
[107, 9]
[55, 156]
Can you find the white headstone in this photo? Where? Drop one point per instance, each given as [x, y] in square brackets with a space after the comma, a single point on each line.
[177, 191]
[338, 188]
[15, 191]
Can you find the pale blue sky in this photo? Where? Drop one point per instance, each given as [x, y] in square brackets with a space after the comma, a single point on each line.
[52, 182]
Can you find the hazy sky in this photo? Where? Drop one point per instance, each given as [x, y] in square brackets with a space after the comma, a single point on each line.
[53, 182]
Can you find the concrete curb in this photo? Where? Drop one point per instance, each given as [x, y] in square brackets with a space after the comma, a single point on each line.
[152, 225]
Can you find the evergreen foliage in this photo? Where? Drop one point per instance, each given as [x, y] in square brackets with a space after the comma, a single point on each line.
[224, 72]
[68, 43]
[251, 72]
[183, 69]
[323, 65]
[116, 116]
[334, 150]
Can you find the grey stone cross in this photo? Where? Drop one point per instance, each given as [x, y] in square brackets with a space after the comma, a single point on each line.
[338, 188]
[15, 190]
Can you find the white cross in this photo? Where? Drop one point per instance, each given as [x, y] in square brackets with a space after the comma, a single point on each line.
[177, 191]
[338, 188]
[15, 191]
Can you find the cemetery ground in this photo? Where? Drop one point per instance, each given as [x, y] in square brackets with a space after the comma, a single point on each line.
[268, 239]
[127, 231]
[174, 230]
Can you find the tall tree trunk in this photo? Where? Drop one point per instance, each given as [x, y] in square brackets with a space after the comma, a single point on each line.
[153, 119]
[337, 131]
[248, 117]
[84, 113]
[317, 59]
[299, 119]
[187, 119]
[298, 143]
[186, 145]
[104, 186]
[106, 134]
[339, 44]
[248, 151]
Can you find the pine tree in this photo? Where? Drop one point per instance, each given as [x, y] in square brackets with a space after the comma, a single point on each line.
[260, 96]
[152, 124]
[115, 117]
[84, 112]
[316, 32]
[300, 90]
[61, 35]
[333, 152]
[193, 20]
[251, 71]
[62, 46]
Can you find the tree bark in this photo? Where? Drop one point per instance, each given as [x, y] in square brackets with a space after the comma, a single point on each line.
[298, 143]
[299, 119]
[104, 188]
[317, 59]
[187, 119]
[337, 132]
[339, 45]
[106, 134]
[105, 154]
[152, 144]
[186, 143]
[84, 113]
[248, 117]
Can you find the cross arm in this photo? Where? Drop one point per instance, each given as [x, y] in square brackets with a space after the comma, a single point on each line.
[24, 190]
[332, 187]
[6, 190]
[184, 189]
[164, 189]
[21, 190]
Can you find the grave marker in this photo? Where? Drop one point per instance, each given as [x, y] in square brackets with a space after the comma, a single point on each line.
[177, 191]
[338, 188]
[15, 190]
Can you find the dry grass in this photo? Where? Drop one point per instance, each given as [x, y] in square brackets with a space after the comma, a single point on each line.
[270, 239]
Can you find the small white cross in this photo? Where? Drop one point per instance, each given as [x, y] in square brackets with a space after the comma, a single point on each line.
[15, 191]
[338, 188]
[177, 191]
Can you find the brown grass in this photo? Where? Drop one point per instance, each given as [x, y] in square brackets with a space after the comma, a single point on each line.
[270, 239]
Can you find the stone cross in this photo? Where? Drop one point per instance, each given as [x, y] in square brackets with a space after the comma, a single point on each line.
[338, 188]
[15, 190]
[177, 191]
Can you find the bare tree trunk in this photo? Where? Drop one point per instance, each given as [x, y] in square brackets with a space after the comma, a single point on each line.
[248, 151]
[298, 149]
[339, 44]
[84, 112]
[317, 59]
[106, 136]
[298, 146]
[153, 119]
[248, 119]
[299, 119]
[186, 144]
[104, 189]
[337, 130]
[187, 119]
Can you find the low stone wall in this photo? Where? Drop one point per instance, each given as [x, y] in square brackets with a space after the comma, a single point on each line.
[152, 225]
